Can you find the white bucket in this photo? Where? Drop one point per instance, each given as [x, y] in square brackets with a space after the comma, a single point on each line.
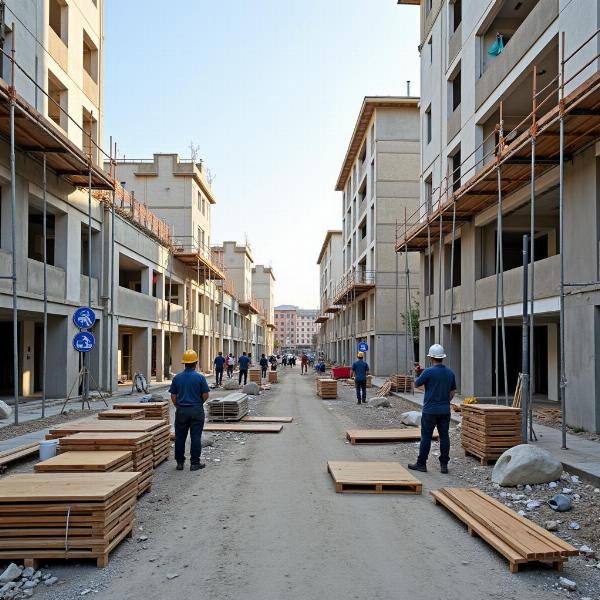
[48, 449]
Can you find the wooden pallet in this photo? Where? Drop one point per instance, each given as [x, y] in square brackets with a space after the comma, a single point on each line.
[273, 377]
[152, 410]
[90, 461]
[244, 427]
[327, 388]
[384, 436]
[122, 413]
[402, 383]
[373, 478]
[14, 454]
[253, 419]
[516, 538]
[65, 515]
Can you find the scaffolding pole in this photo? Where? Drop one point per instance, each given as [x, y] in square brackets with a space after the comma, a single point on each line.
[440, 264]
[409, 305]
[45, 255]
[532, 252]
[452, 281]
[525, 346]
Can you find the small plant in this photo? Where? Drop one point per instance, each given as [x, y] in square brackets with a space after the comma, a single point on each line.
[578, 430]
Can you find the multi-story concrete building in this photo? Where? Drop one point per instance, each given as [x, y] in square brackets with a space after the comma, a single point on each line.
[379, 180]
[263, 288]
[330, 272]
[492, 75]
[295, 328]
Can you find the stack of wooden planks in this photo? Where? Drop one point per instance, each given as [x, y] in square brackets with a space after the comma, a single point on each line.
[515, 537]
[65, 515]
[373, 478]
[152, 410]
[138, 443]
[254, 375]
[122, 413]
[489, 429]
[230, 408]
[18, 453]
[272, 376]
[402, 383]
[327, 388]
[95, 461]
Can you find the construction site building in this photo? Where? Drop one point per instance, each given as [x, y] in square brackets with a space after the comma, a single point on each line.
[263, 288]
[509, 125]
[379, 181]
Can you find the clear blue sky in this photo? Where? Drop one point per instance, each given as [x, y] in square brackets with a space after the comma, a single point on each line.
[270, 92]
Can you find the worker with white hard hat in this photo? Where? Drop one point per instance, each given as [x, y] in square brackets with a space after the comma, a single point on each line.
[189, 391]
[440, 387]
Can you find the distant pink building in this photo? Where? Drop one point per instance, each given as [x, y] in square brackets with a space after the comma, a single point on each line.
[295, 328]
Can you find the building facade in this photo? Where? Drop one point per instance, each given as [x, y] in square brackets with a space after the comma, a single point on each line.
[379, 180]
[490, 91]
[296, 329]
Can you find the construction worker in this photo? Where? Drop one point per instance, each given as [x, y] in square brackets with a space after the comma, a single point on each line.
[219, 363]
[264, 363]
[189, 391]
[243, 364]
[230, 365]
[360, 370]
[303, 363]
[440, 387]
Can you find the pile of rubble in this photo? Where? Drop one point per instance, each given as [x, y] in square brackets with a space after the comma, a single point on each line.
[20, 582]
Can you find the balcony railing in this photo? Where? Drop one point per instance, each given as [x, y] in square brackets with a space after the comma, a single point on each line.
[190, 250]
[353, 284]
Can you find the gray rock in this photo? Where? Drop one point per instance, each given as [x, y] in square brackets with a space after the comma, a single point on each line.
[208, 439]
[587, 551]
[525, 464]
[172, 576]
[379, 403]
[37, 575]
[574, 525]
[5, 410]
[50, 581]
[29, 585]
[28, 572]
[11, 573]
[252, 388]
[27, 593]
[8, 586]
[156, 397]
[142, 538]
[551, 525]
[567, 584]
[231, 384]
[412, 417]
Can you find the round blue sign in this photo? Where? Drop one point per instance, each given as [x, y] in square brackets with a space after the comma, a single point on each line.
[84, 317]
[83, 341]
[363, 346]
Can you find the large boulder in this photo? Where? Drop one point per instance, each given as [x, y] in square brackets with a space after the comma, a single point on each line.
[412, 418]
[378, 402]
[526, 464]
[5, 410]
[208, 439]
[252, 389]
[231, 384]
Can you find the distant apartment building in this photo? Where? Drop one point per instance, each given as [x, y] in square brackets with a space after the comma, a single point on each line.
[490, 90]
[295, 328]
[379, 180]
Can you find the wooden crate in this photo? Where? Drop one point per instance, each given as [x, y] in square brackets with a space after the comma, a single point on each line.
[273, 377]
[65, 515]
[232, 407]
[152, 410]
[373, 478]
[516, 538]
[327, 388]
[254, 375]
[402, 383]
[140, 444]
[488, 430]
[384, 436]
[90, 461]
[122, 413]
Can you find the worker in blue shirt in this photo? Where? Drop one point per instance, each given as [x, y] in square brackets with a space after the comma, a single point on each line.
[360, 370]
[243, 364]
[189, 391]
[264, 363]
[219, 363]
[440, 387]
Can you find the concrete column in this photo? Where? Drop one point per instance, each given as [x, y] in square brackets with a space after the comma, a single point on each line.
[59, 346]
[553, 368]
[177, 351]
[141, 349]
[68, 253]
[28, 358]
[159, 335]
[146, 284]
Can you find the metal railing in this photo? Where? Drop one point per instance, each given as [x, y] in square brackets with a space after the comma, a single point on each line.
[356, 277]
[187, 244]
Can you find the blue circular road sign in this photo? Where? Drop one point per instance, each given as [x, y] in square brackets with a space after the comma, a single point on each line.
[363, 347]
[83, 341]
[84, 317]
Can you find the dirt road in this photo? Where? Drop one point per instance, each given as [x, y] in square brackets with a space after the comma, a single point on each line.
[264, 523]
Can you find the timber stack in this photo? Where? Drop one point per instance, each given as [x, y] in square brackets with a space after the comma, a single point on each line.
[152, 410]
[230, 408]
[273, 377]
[254, 375]
[122, 413]
[402, 383]
[327, 388]
[95, 462]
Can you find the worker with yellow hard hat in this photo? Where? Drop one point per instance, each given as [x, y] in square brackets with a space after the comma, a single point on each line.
[360, 371]
[189, 391]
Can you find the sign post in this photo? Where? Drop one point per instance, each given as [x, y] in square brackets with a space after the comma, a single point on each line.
[363, 347]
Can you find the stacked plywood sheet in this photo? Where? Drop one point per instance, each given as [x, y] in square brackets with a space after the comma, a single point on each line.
[229, 408]
[489, 429]
[327, 388]
[20, 452]
[254, 374]
[517, 538]
[152, 410]
[138, 443]
[65, 515]
[92, 461]
[272, 376]
[402, 383]
[122, 413]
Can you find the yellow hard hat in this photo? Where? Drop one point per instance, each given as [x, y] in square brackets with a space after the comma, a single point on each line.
[361, 355]
[189, 357]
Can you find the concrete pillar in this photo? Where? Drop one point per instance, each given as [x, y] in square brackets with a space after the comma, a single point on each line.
[177, 351]
[159, 337]
[553, 360]
[28, 358]
[68, 253]
[62, 366]
[146, 283]
[141, 350]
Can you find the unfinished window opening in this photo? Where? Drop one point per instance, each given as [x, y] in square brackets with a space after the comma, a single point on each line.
[452, 271]
[455, 90]
[58, 19]
[455, 14]
[428, 124]
[57, 101]
[362, 310]
[363, 229]
[455, 161]
[89, 134]
[428, 194]
[362, 156]
[36, 235]
[130, 273]
[428, 284]
[90, 57]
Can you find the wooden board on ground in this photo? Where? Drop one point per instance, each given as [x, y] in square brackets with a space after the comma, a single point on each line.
[244, 427]
[373, 478]
[25, 451]
[257, 419]
[144, 425]
[384, 436]
[518, 539]
[152, 410]
[122, 413]
[91, 460]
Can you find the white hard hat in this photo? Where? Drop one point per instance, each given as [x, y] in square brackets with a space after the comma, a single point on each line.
[436, 351]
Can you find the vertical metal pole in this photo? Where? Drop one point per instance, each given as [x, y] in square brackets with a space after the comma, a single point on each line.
[563, 379]
[45, 340]
[408, 302]
[532, 245]
[440, 268]
[397, 323]
[452, 282]
[429, 282]
[525, 346]
[501, 256]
